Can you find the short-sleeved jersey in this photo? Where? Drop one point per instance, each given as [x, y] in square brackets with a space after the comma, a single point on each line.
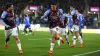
[27, 20]
[8, 18]
[75, 20]
[74, 17]
[54, 17]
[64, 23]
[81, 19]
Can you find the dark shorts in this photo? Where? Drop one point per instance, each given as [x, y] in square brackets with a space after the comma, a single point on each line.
[80, 27]
[27, 26]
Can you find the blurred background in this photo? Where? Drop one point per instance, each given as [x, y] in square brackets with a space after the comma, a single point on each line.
[38, 43]
[35, 8]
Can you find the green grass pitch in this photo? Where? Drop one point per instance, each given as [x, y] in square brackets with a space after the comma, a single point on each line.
[39, 44]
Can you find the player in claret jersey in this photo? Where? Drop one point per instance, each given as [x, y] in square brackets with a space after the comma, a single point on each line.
[55, 16]
[63, 29]
[75, 27]
[7, 19]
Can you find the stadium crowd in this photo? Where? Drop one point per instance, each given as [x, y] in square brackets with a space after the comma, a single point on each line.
[19, 5]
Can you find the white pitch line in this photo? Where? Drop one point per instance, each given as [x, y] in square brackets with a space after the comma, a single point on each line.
[87, 53]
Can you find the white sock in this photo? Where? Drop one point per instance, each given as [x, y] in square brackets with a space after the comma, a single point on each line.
[80, 39]
[74, 39]
[58, 42]
[19, 46]
[52, 46]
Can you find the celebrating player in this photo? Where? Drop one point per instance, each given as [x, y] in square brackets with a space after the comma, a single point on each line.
[55, 16]
[63, 29]
[7, 19]
[76, 28]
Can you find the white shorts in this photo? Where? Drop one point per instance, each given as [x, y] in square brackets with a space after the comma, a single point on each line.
[55, 29]
[13, 32]
[75, 28]
[63, 31]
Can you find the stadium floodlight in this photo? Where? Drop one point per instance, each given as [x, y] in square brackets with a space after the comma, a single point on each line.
[94, 12]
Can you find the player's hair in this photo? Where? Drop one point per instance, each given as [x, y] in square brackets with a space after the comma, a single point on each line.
[72, 6]
[53, 3]
[26, 15]
[80, 10]
[8, 5]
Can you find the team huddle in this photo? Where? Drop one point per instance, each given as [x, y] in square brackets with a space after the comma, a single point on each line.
[57, 24]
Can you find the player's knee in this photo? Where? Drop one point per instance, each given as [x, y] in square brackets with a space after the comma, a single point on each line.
[73, 33]
[54, 34]
[17, 40]
[57, 38]
[77, 34]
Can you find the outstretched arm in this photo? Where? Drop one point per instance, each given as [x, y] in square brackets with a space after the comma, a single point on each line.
[45, 14]
[2, 17]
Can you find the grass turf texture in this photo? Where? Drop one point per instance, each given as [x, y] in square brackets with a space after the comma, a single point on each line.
[39, 44]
